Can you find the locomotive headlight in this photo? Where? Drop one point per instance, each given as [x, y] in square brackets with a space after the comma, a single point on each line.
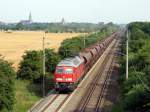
[59, 79]
[69, 79]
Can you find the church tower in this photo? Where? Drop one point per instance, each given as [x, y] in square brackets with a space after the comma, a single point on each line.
[30, 18]
[63, 21]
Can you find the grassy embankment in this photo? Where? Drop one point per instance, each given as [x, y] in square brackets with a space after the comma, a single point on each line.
[25, 95]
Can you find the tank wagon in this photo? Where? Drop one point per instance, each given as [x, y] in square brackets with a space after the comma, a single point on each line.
[70, 71]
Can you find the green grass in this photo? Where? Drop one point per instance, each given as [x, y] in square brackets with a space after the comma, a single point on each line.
[25, 95]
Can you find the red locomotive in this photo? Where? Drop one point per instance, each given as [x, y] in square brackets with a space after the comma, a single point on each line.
[71, 70]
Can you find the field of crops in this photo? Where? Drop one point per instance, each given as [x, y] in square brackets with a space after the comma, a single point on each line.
[14, 44]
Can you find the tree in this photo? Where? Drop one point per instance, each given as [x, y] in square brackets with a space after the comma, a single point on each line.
[136, 99]
[31, 66]
[52, 60]
[73, 46]
[19, 26]
[7, 76]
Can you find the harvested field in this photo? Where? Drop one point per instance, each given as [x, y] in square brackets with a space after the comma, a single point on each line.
[14, 44]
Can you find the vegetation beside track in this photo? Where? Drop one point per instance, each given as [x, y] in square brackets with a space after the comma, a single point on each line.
[73, 46]
[31, 65]
[135, 95]
[7, 76]
[26, 94]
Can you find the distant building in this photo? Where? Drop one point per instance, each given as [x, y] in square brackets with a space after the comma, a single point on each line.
[27, 22]
[2, 23]
[63, 21]
[30, 17]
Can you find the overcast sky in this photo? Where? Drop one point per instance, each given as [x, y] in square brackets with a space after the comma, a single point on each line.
[118, 11]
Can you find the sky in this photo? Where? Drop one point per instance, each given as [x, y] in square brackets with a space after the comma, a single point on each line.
[117, 11]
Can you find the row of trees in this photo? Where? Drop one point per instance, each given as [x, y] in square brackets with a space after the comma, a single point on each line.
[55, 27]
[70, 47]
[136, 90]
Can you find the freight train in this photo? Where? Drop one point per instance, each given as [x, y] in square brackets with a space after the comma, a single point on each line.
[70, 71]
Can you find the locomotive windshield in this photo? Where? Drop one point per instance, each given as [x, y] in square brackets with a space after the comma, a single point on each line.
[68, 71]
[59, 70]
[64, 71]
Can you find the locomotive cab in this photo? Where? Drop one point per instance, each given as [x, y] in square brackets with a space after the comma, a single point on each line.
[64, 74]
[67, 73]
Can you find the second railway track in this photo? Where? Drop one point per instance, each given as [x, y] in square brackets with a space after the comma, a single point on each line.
[91, 102]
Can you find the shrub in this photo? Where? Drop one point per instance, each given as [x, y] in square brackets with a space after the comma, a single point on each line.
[31, 67]
[7, 75]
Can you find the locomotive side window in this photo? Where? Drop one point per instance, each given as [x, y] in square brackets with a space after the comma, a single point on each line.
[68, 71]
[59, 70]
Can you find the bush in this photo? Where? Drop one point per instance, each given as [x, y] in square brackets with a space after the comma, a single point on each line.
[31, 67]
[7, 75]
[52, 59]
[136, 98]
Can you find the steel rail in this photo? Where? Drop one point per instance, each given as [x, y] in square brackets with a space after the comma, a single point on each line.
[93, 86]
[97, 109]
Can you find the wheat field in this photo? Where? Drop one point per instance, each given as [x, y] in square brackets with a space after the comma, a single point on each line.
[14, 44]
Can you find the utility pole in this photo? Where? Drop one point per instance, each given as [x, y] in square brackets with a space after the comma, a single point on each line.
[127, 54]
[44, 65]
[84, 40]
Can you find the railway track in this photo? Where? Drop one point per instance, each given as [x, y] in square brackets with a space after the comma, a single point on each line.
[51, 103]
[92, 100]
[101, 95]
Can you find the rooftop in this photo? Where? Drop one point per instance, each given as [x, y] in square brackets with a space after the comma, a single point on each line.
[71, 61]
